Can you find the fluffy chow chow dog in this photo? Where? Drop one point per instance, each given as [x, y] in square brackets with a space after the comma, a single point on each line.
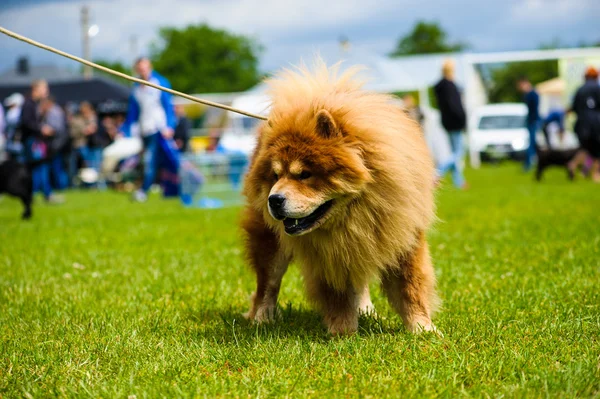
[341, 182]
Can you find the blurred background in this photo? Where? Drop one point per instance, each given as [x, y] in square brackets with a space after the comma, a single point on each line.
[222, 50]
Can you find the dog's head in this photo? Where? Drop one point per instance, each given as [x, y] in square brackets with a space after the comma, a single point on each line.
[307, 170]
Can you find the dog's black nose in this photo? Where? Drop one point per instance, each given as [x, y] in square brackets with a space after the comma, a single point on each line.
[276, 202]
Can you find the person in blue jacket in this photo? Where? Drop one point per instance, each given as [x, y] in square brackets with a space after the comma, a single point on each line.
[554, 117]
[532, 101]
[153, 111]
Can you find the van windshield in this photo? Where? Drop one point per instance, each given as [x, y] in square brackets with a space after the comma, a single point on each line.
[498, 122]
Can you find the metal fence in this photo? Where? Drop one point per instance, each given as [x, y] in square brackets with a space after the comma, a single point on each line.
[212, 180]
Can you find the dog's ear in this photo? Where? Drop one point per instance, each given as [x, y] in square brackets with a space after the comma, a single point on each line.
[326, 125]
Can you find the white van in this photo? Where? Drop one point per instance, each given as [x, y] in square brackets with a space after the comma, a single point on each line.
[499, 131]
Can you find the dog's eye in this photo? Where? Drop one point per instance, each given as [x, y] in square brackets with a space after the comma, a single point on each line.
[275, 176]
[304, 175]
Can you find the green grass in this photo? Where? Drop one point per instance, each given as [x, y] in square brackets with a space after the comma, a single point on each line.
[100, 297]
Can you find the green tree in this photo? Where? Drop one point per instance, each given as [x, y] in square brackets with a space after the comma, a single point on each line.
[426, 38]
[503, 78]
[503, 85]
[117, 66]
[201, 59]
[557, 43]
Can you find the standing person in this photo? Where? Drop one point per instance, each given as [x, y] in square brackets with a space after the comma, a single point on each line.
[54, 117]
[454, 120]
[36, 138]
[554, 118]
[586, 105]
[14, 144]
[3, 156]
[182, 130]
[532, 100]
[2, 121]
[153, 111]
[97, 140]
[83, 125]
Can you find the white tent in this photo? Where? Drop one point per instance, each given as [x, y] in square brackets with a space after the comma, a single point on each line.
[420, 72]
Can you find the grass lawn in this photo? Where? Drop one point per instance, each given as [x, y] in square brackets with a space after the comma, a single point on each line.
[101, 297]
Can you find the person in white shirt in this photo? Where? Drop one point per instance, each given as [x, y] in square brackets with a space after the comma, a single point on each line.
[13, 104]
[153, 111]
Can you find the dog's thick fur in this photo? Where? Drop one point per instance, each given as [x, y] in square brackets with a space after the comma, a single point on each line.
[327, 139]
[16, 180]
[547, 158]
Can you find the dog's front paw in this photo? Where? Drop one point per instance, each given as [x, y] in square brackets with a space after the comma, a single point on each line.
[266, 314]
[262, 311]
[261, 315]
[342, 325]
[424, 325]
[367, 309]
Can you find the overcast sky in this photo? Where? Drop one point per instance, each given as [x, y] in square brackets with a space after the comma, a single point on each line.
[290, 30]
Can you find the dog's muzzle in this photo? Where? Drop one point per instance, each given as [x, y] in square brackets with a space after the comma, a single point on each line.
[276, 206]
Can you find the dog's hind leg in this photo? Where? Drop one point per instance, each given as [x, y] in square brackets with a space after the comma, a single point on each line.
[570, 174]
[539, 170]
[26, 193]
[270, 264]
[27, 198]
[27, 205]
[410, 288]
[365, 306]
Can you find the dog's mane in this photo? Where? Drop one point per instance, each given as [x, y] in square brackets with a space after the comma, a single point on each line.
[299, 83]
[397, 205]
[303, 91]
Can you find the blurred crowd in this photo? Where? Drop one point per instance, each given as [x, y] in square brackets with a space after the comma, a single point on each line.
[70, 143]
[85, 144]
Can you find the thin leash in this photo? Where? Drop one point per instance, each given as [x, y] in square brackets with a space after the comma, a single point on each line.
[127, 77]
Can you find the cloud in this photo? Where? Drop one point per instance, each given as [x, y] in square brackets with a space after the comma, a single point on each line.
[289, 30]
[548, 11]
[270, 21]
